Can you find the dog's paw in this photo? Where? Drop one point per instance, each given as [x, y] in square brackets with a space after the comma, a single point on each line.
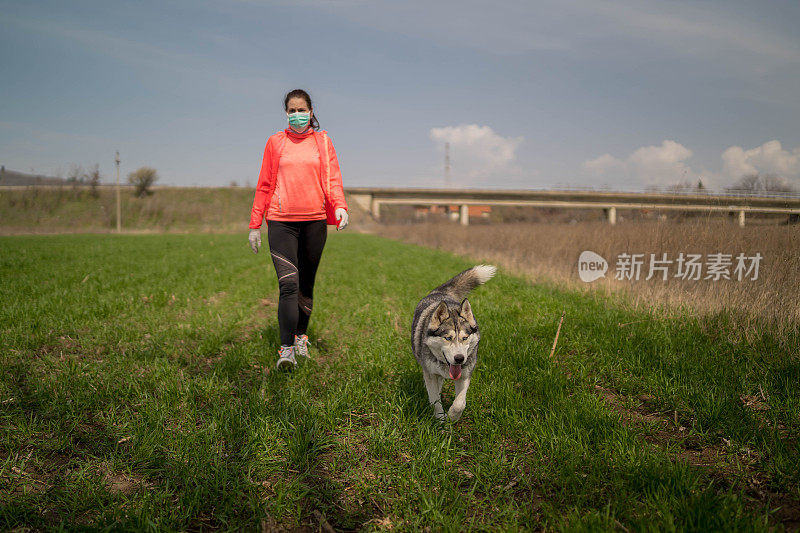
[454, 414]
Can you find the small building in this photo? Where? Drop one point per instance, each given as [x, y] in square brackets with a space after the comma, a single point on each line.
[453, 212]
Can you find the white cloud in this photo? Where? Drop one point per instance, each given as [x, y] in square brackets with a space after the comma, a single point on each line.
[667, 165]
[603, 164]
[661, 165]
[768, 159]
[651, 165]
[477, 151]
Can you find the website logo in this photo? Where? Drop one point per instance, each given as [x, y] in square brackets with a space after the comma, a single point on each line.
[684, 266]
[591, 266]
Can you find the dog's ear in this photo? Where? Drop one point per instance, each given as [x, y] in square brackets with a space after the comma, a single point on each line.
[466, 314]
[440, 314]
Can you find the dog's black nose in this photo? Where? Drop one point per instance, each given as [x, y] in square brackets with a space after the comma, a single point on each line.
[458, 359]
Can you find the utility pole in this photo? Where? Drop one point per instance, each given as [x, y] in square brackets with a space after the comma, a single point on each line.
[119, 210]
[447, 164]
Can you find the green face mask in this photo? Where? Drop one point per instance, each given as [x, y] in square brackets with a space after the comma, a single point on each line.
[299, 119]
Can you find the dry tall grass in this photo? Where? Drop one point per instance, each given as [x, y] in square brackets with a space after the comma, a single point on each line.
[549, 252]
[169, 209]
[540, 250]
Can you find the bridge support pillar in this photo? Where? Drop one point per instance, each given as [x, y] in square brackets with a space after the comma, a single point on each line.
[376, 209]
[465, 215]
[611, 213]
[741, 218]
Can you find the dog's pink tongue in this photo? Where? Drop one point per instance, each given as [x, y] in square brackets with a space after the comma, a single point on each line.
[455, 371]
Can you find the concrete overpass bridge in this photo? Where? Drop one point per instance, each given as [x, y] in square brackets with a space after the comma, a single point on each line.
[372, 198]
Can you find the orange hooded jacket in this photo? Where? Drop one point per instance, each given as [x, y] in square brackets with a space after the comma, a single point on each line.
[303, 189]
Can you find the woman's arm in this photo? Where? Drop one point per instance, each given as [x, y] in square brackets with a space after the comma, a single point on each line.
[262, 188]
[337, 188]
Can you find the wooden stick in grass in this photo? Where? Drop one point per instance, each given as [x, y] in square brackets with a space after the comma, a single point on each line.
[558, 331]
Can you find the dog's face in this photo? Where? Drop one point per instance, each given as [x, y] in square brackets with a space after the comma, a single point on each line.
[452, 335]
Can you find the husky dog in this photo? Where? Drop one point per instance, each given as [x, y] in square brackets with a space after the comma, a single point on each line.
[444, 338]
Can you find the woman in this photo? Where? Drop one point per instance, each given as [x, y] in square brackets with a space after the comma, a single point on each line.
[300, 188]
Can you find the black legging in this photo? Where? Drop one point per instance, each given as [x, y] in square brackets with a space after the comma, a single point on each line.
[296, 248]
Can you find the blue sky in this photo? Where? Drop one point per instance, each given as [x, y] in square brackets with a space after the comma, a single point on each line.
[603, 93]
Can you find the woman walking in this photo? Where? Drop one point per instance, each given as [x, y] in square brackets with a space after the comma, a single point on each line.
[300, 188]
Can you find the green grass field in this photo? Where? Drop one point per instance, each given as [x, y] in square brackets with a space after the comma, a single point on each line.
[138, 392]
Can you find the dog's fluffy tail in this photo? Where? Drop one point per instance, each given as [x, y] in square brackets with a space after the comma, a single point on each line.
[460, 286]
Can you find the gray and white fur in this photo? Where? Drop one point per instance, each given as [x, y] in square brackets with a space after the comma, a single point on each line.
[445, 338]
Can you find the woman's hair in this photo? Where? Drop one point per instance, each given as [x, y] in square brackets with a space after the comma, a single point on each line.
[300, 93]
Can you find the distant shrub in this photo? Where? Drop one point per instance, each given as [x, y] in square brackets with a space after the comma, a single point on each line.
[142, 179]
[93, 177]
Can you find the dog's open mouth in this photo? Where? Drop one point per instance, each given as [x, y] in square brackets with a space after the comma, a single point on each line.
[455, 371]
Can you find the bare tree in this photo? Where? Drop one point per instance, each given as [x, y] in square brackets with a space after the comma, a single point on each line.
[142, 179]
[756, 183]
[688, 187]
[75, 175]
[683, 186]
[93, 177]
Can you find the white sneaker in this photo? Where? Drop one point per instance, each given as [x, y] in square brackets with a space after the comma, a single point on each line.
[301, 345]
[286, 360]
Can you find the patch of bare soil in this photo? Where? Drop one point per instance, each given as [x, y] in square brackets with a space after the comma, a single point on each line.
[121, 482]
[69, 346]
[32, 474]
[726, 466]
[346, 504]
[264, 311]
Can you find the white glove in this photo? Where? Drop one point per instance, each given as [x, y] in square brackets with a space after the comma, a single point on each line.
[255, 240]
[342, 217]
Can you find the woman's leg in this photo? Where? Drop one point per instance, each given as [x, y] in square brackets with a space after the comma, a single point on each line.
[283, 244]
[312, 240]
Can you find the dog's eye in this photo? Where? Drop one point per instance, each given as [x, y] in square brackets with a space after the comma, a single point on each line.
[449, 337]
